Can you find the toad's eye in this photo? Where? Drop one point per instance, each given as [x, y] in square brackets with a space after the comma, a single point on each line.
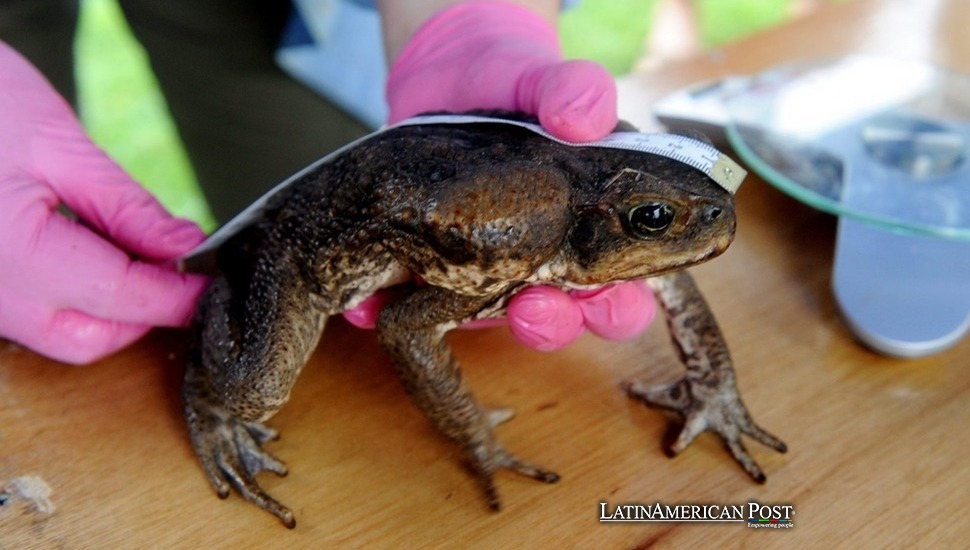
[650, 220]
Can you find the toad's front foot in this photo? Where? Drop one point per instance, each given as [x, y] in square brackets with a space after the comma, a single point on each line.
[720, 411]
[489, 456]
[486, 456]
[231, 454]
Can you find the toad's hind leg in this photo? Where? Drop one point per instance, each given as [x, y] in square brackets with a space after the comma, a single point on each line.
[412, 331]
[252, 340]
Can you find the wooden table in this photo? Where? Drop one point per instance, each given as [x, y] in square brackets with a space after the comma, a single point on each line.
[878, 446]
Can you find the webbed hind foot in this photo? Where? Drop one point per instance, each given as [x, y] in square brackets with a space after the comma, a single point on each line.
[722, 412]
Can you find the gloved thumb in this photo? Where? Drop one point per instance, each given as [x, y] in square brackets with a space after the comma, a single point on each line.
[574, 100]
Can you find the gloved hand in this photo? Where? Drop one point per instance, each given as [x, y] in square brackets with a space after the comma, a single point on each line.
[78, 289]
[497, 55]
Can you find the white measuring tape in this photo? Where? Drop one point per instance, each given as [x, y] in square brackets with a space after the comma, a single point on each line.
[697, 154]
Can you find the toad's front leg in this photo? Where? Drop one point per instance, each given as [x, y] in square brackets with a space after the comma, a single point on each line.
[252, 341]
[412, 331]
[707, 397]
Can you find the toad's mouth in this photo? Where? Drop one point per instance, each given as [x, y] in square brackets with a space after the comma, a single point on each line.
[718, 247]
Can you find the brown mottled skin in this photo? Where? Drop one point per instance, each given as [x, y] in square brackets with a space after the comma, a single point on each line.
[478, 212]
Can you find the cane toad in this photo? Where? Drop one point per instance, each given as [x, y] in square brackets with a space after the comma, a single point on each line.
[478, 212]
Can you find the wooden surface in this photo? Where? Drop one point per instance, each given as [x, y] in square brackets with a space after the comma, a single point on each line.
[878, 446]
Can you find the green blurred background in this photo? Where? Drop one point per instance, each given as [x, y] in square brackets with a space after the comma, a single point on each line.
[125, 113]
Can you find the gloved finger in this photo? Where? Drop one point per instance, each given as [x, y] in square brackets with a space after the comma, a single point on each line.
[574, 100]
[470, 56]
[73, 268]
[68, 336]
[99, 191]
[544, 318]
[617, 312]
[364, 315]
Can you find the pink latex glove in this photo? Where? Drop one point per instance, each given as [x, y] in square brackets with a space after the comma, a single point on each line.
[73, 290]
[497, 55]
